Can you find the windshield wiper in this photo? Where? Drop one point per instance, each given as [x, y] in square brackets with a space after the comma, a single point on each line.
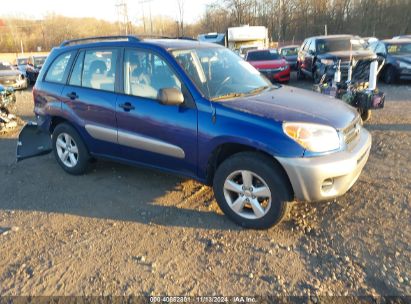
[257, 90]
[227, 96]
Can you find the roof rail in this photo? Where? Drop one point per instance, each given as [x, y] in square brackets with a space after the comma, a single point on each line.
[154, 36]
[100, 38]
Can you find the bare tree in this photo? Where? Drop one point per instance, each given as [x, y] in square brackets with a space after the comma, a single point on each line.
[181, 4]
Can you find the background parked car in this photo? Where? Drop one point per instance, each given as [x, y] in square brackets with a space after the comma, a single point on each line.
[320, 55]
[397, 56]
[34, 65]
[21, 64]
[270, 63]
[12, 77]
[7, 97]
[402, 37]
[290, 53]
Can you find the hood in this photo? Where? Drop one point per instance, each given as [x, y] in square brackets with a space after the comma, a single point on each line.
[292, 104]
[268, 64]
[403, 58]
[9, 73]
[345, 55]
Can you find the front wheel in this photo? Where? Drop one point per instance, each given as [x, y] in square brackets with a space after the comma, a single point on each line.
[69, 149]
[252, 190]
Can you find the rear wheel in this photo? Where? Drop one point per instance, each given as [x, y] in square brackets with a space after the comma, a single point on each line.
[252, 190]
[69, 149]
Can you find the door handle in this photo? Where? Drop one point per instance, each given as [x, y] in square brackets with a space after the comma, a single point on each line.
[72, 95]
[127, 106]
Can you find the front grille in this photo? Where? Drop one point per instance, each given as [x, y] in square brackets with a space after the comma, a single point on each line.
[352, 131]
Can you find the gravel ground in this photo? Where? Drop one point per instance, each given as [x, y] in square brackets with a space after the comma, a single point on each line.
[129, 231]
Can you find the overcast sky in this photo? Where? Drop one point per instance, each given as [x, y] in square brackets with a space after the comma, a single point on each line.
[101, 9]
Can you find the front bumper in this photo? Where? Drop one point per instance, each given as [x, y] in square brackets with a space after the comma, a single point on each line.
[325, 177]
[277, 75]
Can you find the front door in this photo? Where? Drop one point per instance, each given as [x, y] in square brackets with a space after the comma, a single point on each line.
[163, 136]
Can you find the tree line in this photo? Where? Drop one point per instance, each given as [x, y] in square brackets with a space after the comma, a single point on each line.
[286, 20]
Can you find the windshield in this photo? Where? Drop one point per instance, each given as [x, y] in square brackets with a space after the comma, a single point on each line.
[289, 51]
[400, 48]
[39, 61]
[245, 50]
[22, 61]
[262, 56]
[219, 73]
[336, 45]
[4, 66]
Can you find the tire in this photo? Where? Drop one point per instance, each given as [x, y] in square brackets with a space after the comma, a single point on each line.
[264, 173]
[389, 75]
[70, 150]
[365, 114]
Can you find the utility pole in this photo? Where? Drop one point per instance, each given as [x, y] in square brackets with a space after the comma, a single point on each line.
[122, 16]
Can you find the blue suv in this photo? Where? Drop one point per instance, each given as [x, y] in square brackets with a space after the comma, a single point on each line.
[198, 110]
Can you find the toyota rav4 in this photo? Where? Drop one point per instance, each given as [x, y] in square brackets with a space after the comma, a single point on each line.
[198, 110]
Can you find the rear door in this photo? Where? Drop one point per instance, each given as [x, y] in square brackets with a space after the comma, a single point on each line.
[163, 136]
[89, 98]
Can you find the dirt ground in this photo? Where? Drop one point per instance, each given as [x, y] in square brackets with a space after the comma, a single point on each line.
[121, 230]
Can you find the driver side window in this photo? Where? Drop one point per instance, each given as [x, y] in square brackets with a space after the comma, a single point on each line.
[145, 74]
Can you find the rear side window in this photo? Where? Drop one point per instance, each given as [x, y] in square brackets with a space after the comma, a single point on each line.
[59, 68]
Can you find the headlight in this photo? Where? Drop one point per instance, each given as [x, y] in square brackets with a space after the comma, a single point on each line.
[404, 65]
[313, 137]
[327, 61]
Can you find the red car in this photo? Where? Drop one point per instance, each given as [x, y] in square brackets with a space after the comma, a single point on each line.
[271, 64]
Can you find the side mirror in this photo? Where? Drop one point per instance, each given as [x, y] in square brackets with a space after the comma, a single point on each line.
[170, 96]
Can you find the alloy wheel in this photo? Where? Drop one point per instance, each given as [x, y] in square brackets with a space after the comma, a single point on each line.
[67, 150]
[247, 194]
